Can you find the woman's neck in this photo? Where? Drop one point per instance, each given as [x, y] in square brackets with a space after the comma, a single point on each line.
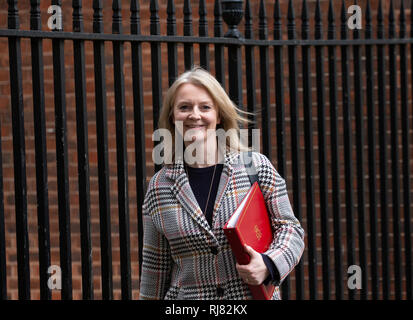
[208, 156]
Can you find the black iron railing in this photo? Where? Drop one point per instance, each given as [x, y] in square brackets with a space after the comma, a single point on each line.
[338, 148]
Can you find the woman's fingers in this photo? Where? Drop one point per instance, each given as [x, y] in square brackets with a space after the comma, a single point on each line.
[255, 272]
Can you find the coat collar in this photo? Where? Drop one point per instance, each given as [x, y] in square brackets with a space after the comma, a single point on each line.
[181, 189]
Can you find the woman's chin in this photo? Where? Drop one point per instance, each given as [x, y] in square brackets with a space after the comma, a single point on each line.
[197, 139]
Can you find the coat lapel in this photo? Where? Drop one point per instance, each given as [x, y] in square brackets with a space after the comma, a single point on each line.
[181, 190]
[223, 183]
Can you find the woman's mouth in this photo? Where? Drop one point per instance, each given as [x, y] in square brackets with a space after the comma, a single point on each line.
[195, 126]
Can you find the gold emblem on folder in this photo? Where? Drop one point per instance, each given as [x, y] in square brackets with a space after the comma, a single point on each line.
[258, 232]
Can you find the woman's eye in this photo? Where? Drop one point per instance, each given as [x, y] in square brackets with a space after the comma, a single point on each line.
[183, 107]
[206, 107]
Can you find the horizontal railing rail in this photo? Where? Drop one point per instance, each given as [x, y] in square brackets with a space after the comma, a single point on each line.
[196, 40]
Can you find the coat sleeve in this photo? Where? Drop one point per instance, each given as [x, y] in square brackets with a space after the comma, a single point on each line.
[288, 243]
[156, 257]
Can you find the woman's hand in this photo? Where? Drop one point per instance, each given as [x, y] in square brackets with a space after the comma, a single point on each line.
[256, 271]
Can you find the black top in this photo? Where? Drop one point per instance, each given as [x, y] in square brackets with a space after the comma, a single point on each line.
[200, 181]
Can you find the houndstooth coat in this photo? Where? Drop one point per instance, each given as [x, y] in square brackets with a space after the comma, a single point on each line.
[185, 258]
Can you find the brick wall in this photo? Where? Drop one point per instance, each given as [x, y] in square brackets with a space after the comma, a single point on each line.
[7, 143]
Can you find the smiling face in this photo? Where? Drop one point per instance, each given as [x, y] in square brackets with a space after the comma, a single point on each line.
[195, 108]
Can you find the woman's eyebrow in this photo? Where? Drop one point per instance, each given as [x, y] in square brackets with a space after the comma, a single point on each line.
[183, 102]
[180, 102]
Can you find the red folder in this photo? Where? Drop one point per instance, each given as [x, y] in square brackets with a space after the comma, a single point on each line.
[250, 224]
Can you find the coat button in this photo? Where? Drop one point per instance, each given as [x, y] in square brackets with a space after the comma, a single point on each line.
[214, 250]
[220, 291]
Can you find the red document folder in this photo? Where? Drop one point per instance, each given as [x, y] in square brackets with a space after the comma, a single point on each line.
[250, 224]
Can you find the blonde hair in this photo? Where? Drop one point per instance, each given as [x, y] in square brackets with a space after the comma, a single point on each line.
[229, 113]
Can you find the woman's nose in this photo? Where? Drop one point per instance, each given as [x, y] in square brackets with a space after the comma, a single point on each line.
[195, 113]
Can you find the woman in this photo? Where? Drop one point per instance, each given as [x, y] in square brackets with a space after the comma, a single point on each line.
[185, 252]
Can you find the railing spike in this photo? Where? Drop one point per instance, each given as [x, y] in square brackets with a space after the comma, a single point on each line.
[262, 25]
[318, 21]
[249, 33]
[135, 19]
[77, 16]
[331, 16]
[35, 21]
[277, 11]
[290, 15]
[304, 11]
[171, 19]
[392, 26]
[305, 27]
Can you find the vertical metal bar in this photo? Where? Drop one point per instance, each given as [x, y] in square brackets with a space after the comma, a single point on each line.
[138, 115]
[234, 72]
[405, 148]
[265, 82]
[219, 48]
[203, 32]
[394, 155]
[383, 155]
[62, 162]
[41, 153]
[407, 199]
[121, 154]
[406, 157]
[279, 98]
[348, 159]
[172, 49]
[322, 155]
[295, 145]
[371, 114]
[250, 71]
[361, 207]
[3, 269]
[82, 153]
[335, 168]
[156, 65]
[280, 114]
[188, 47]
[232, 14]
[19, 156]
[102, 149]
[309, 159]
